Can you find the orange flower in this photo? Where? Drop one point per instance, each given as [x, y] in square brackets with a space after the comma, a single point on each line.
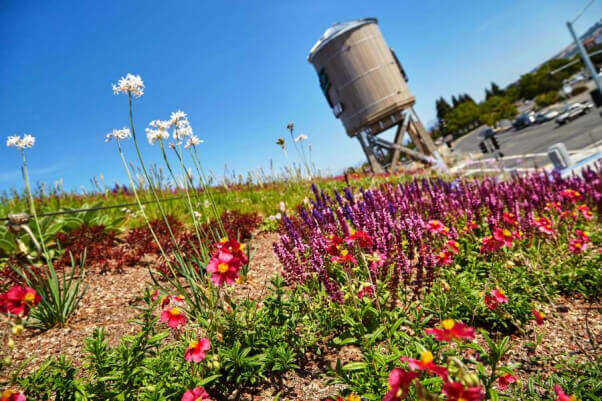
[539, 316]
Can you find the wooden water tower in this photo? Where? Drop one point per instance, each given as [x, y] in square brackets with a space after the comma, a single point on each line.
[365, 86]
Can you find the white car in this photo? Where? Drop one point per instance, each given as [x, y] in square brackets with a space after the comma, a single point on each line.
[574, 111]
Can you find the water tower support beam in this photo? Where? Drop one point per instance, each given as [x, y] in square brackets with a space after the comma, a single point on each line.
[425, 142]
[374, 164]
[401, 131]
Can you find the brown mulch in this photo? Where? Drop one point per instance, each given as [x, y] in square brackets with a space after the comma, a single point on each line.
[111, 299]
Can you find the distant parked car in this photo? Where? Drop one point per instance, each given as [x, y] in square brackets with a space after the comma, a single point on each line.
[547, 116]
[486, 132]
[522, 121]
[574, 111]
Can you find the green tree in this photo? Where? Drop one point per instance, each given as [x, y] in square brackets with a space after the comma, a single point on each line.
[496, 108]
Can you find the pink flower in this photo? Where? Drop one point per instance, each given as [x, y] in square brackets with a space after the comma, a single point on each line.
[504, 380]
[509, 218]
[224, 268]
[197, 350]
[426, 363]
[494, 298]
[490, 245]
[562, 396]
[457, 392]
[504, 236]
[436, 227]
[173, 317]
[453, 246]
[451, 331]
[196, 394]
[470, 226]
[444, 258]
[399, 384]
[577, 245]
[585, 212]
[544, 225]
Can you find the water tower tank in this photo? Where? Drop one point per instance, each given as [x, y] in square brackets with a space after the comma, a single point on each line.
[360, 76]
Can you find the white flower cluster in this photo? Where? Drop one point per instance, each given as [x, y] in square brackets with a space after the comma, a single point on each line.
[178, 120]
[159, 131]
[129, 84]
[22, 143]
[119, 134]
[300, 138]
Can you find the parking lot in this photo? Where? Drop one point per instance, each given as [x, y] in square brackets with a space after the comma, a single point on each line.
[576, 134]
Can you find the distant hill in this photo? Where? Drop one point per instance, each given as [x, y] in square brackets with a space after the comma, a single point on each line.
[592, 35]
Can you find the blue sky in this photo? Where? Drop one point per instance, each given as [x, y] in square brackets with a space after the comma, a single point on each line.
[239, 69]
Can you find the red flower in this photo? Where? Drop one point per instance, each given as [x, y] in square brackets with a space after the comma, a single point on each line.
[224, 267]
[426, 363]
[553, 206]
[399, 383]
[363, 239]
[196, 394]
[436, 227]
[334, 245]
[504, 380]
[585, 212]
[9, 395]
[571, 194]
[444, 258]
[377, 260]
[509, 218]
[344, 258]
[366, 291]
[577, 245]
[197, 350]
[504, 236]
[234, 248]
[539, 316]
[453, 246]
[562, 396]
[173, 317]
[451, 331]
[19, 300]
[470, 226]
[176, 299]
[569, 213]
[490, 245]
[544, 225]
[495, 298]
[457, 392]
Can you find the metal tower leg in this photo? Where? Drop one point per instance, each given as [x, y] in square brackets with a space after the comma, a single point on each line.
[374, 164]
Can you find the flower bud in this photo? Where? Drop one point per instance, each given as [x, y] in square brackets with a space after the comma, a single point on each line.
[470, 380]
[445, 286]
[17, 329]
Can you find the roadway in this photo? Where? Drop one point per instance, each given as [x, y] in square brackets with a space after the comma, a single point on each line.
[576, 134]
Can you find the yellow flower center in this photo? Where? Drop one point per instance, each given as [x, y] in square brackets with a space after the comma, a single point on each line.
[399, 393]
[354, 397]
[7, 393]
[223, 267]
[351, 231]
[193, 344]
[502, 292]
[542, 315]
[344, 252]
[29, 297]
[448, 324]
[462, 399]
[426, 357]
[175, 311]
[507, 232]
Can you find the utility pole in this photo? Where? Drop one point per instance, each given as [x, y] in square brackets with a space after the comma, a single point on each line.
[584, 56]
